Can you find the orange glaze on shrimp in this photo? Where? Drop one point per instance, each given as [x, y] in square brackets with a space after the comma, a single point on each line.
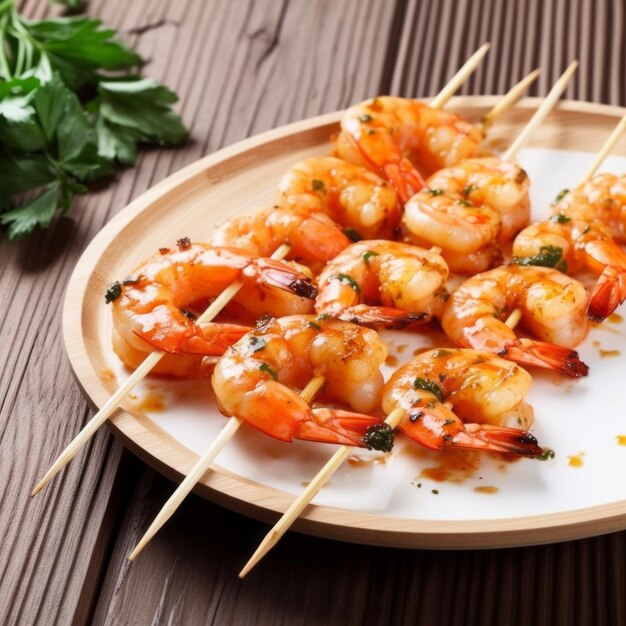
[470, 210]
[154, 308]
[553, 308]
[314, 238]
[487, 397]
[257, 379]
[350, 194]
[404, 140]
[383, 283]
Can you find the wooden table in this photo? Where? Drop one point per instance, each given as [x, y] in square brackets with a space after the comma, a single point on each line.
[241, 67]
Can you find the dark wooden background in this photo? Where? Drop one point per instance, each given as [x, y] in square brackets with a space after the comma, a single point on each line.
[242, 67]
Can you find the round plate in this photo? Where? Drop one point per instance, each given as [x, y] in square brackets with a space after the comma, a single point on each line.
[398, 500]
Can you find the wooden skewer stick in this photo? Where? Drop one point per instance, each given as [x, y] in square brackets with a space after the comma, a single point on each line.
[439, 101]
[324, 475]
[605, 149]
[134, 379]
[302, 501]
[509, 99]
[541, 113]
[203, 464]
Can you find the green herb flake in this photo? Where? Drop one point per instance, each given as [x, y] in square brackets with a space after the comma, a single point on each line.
[428, 385]
[379, 437]
[549, 256]
[344, 278]
[314, 326]
[464, 202]
[435, 192]
[469, 189]
[189, 314]
[352, 234]
[368, 255]
[318, 185]
[560, 218]
[366, 117]
[547, 455]
[435, 491]
[561, 195]
[323, 317]
[264, 367]
[113, 292]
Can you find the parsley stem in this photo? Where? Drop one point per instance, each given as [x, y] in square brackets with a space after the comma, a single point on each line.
[4, 64]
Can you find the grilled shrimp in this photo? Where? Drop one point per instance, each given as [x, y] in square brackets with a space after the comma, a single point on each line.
[403, 140]
[350, 194]
[257, 378]
[601, 198]
[154, 308]
[313, 236]
[553, 308]
[571, 245]
[470, 210]
[383, 283]
[487, 397]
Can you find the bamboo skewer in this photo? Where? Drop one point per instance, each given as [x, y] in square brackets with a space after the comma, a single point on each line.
[542, 112]
[605, 149]
[439, 101]
[134, 379]
[509, 99]
[203, 465]
[302, 501]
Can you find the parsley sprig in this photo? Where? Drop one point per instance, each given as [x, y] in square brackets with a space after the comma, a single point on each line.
[71, 110]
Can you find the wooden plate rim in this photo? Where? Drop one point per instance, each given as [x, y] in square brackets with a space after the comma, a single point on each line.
[149, 441]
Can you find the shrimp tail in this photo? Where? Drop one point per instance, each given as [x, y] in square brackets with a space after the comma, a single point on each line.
[338, 426]
[387, 317]
[547, 355]
[608, 294]
[277, 274]
[441, 429]
[497, 439]
[404, 177]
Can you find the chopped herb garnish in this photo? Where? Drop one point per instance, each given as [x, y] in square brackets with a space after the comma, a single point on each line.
[561, 195]
[366, 117]
[560, 218]
[257, 343]
[586, 230]
[549, 256]
[435, 192]
[352, 234]
[464, 202]
[264, 367]
[314, 326]
[441, 352]
[379, 437]
[435, 491]
[547, 455]
[113, 292]
[428, 385]
[344, 278]
[323, 317]
[469, 189]
[368, 255]
[318, 185]
[131, 280]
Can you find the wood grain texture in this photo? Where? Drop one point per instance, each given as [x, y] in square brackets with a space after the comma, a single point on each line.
[242, 67]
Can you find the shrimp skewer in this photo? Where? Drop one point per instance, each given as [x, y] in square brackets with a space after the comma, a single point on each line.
[552, 307]
[471, 208]
[582, 232]
[407, 281]
[147, 365]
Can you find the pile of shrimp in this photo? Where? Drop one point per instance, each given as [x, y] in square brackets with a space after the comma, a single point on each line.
[409, 196]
